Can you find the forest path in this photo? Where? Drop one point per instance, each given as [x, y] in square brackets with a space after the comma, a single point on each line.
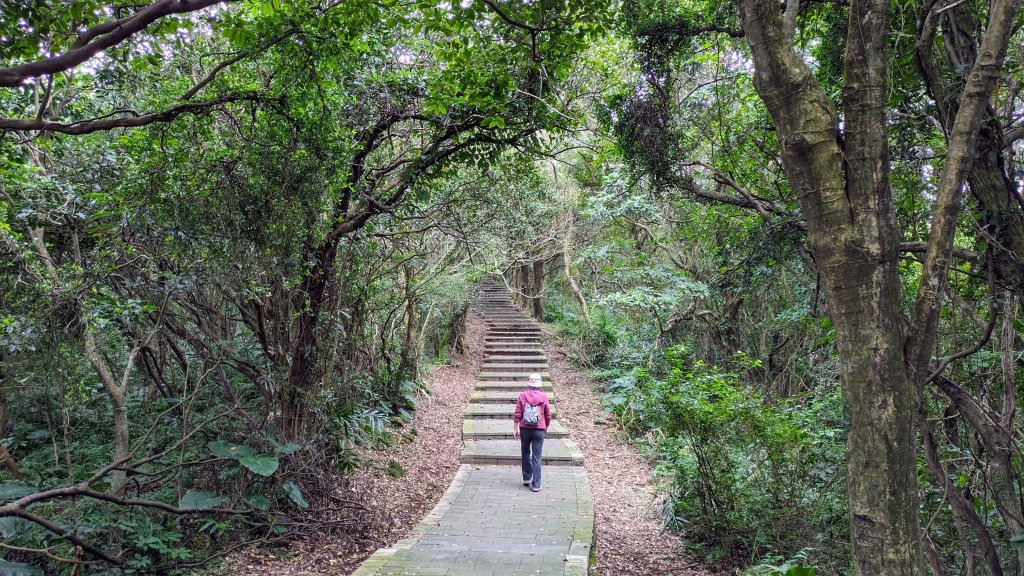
[488, 523]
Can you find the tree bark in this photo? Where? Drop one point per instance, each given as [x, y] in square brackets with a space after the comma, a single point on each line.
[567, 268]
[116, 395]
[845, 197]
[960, 153]
[1002, 213]
[522, 287]
[410, 352]
[5, 456]
[537, 290]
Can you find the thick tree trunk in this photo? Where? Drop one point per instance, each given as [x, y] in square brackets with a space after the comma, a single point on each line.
[522, 286]
[305, 368]
[854, 241]
[537, 290]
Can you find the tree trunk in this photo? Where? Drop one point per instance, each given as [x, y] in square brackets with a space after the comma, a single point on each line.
[537, 290]
[852, 234]
[458, 333]
[410, 356]
[567, 268]
[5, 456]
[305, 368]
[522, 286]
[1001, 215]
[116, 395]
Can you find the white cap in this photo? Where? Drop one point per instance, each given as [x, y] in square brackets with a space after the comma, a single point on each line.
[534, 381]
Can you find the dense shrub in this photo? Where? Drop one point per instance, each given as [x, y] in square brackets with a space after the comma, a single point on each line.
[744, 478]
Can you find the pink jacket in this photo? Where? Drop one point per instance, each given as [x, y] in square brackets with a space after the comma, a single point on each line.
[534, 397]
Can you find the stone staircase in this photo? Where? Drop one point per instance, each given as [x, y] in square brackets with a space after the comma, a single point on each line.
[487, 523]
[512, 351]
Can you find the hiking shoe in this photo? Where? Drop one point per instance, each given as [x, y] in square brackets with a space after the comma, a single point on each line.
[526, 482]
[535, 488]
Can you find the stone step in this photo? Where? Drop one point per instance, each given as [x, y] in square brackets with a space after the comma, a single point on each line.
[510, 376]
[518, 351]
[494, 411]
[488, 346]
[503, 365]
[509, 386]
[502, 429]
[500, 396]
[511, 324]
[508, 452]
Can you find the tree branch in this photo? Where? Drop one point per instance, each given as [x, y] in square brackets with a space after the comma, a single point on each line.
[98, 38]
[99, 124]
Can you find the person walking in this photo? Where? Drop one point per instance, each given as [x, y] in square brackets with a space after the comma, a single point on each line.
[530, 422]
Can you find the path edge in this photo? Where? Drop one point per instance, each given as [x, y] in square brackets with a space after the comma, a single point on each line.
[378, 559]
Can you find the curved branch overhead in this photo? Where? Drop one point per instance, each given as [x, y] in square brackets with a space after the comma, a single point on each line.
[98, 38]
[123, 119]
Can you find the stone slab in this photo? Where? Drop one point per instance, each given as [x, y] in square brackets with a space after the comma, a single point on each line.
[504, 451]
[509, 365]
[481, 429]
[509, 385]
[510, 376]
[499, 396]
[505, 410]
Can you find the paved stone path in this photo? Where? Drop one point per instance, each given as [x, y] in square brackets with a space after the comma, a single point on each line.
[488, 523]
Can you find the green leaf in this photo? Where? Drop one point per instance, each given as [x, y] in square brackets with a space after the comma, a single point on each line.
[198, 500]
[262, 465]
[10, 526]
[258, 501]
[291, 448]
[293, 492]
[229, 450]
[12, 569]
[493, 122]
[10, 491]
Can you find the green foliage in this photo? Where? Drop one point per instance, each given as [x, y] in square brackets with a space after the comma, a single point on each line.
[295, 494]
[197, 499]
[741, 474]
[395, 469]
[774, 566]
[15, 569]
